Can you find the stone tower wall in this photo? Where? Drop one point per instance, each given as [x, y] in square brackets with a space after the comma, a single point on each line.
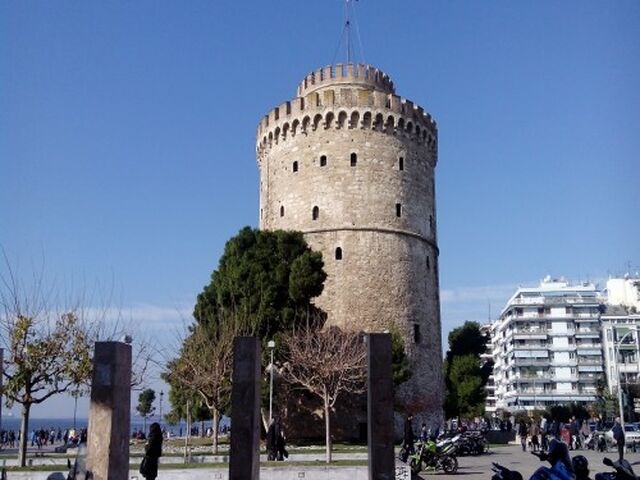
[351, 165]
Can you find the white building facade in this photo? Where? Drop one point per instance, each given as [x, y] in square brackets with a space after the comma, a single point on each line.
[547, 347]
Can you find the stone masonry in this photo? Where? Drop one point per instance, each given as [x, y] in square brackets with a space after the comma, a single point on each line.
[351, 165]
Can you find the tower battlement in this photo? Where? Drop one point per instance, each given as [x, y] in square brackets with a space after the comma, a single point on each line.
[349, 97]
[348, 73]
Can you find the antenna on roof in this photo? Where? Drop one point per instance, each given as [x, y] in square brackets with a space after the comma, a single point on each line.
[349, 21]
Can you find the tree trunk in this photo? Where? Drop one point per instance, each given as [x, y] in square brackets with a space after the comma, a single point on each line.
[327, 427]
[216, 421]
[24, 433]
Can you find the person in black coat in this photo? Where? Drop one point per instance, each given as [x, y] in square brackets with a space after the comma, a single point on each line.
[618, 436]
[408, 437]
[152, 452]
[272, 450]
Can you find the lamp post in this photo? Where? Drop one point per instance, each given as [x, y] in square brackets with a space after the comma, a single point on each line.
[272, 345]
[618, 380]
[161, 397]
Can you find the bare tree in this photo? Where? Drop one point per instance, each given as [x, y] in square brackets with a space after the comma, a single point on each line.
[47, 349]
[204, 367]
[327, 363]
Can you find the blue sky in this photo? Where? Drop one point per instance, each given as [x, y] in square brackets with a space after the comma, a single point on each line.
[127, 136]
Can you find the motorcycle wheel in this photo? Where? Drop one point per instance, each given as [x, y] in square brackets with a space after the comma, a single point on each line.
[416, 466]
[449, 464]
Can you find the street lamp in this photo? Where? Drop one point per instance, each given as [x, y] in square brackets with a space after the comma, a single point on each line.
[618, 380]
[272, 345]
[161, 397]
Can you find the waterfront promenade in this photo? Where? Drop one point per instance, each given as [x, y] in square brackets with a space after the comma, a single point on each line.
[350, 466]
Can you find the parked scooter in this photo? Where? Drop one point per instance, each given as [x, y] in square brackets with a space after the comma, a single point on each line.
[623, 471]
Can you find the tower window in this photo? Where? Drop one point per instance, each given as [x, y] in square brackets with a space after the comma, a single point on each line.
[428, 263]
[295, 166]
[323, 160]
[282, 210]
[398, 209]
[416, 333]
[354, 159]
[431, 222]
[401, 163]
[338, 253]
[315, 213]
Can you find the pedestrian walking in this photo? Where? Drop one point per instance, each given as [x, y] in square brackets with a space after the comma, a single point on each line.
[618, 436]
[522, 431]
[152, 452]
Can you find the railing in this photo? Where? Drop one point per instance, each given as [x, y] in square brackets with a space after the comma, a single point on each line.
[590, 361]
[531, 361]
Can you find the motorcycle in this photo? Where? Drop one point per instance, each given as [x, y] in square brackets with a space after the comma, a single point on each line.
[471, 443]
[438, 456]
[623, 471]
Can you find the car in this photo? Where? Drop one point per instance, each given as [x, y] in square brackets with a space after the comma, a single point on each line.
[631, 434]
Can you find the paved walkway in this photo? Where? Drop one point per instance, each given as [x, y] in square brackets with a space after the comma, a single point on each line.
[471, 468]
[512, 457]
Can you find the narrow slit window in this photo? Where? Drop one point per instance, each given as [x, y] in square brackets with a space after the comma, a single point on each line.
[282, 210]
[323, 160]
[398, 210]
[428, 263]
[338, 253]
[416, 333]
[401, 163]
[315, 213]
[295, 166]
[354, 159]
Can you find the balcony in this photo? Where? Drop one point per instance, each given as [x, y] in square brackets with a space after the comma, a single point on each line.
[562, 348]
[531, 362]
[590, 361]
[567, 333]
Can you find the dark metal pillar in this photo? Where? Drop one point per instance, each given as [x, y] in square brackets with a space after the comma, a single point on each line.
[244, 455]
[380, 407]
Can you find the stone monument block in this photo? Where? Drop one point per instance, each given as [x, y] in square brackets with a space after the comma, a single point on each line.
[380, 407]
[109, 412]
[244, 455]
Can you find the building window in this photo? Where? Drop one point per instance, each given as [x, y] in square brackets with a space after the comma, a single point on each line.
[323, 160]
[431, 223]
[428, 263]
[282, 210]
[398, 209]
[338, 253]
[295, 166]
[416, 333]
[354, 159]
[401, 163]
[315, 213]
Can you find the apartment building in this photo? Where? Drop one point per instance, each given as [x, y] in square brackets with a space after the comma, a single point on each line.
[546, 347]
[620, 337]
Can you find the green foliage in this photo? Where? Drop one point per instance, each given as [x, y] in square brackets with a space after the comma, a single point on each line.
[467, 340]
[43, 357]
[145, 402]
[465, 378]
[564, 412]
[268, 278]
[400, 362]
[465, 375]
[264, 284]
[179, 398]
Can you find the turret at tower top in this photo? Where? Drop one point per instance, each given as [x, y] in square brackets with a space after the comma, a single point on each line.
[347, 74]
